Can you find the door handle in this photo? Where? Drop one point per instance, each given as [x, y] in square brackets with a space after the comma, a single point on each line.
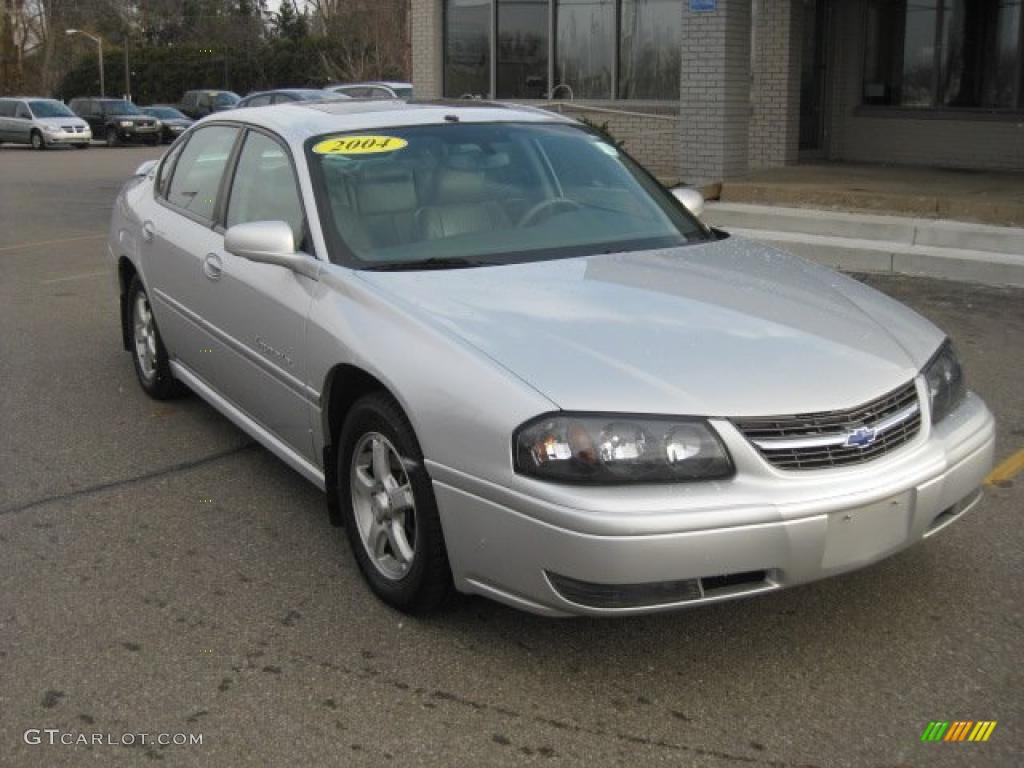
[212, 267]
[148, 231]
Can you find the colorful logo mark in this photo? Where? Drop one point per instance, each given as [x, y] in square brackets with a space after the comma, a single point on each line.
[959, 730]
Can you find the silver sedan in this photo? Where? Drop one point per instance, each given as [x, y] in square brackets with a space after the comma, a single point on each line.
[519, 367]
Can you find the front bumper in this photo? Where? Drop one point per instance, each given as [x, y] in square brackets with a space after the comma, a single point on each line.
[139, 133]
[764, 530]
[66, 137]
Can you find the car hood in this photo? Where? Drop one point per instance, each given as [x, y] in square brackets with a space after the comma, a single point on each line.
[62, 121]
[729, 328]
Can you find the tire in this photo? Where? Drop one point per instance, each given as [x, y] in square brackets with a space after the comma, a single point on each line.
[38, 142]
[113, 140]
[424, 581]
[149, 356]
[81, 146]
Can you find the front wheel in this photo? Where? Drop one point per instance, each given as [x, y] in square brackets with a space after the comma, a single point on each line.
[388, 507]
[38, 142]
[113, 139]
[148, 353]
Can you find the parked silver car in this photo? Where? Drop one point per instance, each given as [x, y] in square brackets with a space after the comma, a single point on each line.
[377, 89]
[42, 123]
[520, 367]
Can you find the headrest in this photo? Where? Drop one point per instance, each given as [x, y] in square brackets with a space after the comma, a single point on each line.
[459, 186]
[386, 190]
[471, 158]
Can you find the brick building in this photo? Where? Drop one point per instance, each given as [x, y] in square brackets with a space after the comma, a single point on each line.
[704, 90]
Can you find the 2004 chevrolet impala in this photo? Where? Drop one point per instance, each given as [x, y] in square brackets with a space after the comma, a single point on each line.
[521, 368]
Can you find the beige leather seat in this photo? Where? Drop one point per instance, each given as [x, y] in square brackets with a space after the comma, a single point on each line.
[462, 205]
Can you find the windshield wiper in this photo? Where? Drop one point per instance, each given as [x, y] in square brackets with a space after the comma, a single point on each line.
[436, 262]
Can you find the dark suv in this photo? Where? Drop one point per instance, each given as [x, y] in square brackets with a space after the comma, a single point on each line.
[197, 104]
[117, 121]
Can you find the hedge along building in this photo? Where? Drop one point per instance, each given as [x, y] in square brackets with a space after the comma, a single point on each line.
[705, 90]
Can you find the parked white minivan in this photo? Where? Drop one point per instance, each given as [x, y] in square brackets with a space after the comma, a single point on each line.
[42, 123]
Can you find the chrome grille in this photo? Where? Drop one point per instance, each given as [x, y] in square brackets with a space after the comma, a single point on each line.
[822, 440]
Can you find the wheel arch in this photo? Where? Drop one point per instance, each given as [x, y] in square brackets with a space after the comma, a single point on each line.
[344, 384]
[125, 272]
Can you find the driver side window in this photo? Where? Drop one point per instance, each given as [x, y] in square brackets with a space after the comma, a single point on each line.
[23, 112]
[264, 187]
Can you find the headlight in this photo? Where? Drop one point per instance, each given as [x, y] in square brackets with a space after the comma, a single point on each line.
[945, 379]
[125, 123]
[618, 450]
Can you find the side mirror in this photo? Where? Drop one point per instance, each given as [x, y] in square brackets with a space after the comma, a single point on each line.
[146, 168]
[270, 242]
[691, 198]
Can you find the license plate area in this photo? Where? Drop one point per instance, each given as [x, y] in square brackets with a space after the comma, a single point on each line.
[863, 534]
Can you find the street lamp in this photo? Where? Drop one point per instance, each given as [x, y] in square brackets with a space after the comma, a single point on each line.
[99, 43]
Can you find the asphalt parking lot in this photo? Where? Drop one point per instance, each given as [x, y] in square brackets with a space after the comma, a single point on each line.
[159, 573]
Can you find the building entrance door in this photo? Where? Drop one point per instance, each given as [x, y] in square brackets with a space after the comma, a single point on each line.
[813, 77]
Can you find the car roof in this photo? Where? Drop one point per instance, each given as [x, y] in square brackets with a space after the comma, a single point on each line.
[385, 83]
[300, 120]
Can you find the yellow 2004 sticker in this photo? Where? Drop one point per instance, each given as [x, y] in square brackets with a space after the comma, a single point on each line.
[359, 145]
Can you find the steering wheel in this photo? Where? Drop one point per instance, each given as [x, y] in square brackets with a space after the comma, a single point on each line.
[531, 216]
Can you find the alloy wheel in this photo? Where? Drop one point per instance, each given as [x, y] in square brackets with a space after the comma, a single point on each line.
[145, 336]
[384, 505]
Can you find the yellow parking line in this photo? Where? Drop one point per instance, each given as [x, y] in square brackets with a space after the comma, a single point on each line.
[1007, 469]
[38, 243]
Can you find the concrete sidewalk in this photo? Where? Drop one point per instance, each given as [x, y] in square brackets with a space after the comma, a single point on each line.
[985, 197]
[862, 242]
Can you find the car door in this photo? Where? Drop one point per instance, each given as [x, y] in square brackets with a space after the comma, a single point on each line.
[180, 247]
[258, 311]
[21, 126]
[93, 115]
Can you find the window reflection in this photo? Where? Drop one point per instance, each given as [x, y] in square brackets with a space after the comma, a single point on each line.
[522, 49]
[950, 53]
[585, 48]
[649, 56]
[979, 56]
[467, 48]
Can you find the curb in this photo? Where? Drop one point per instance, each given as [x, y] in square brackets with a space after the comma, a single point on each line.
[951, 250]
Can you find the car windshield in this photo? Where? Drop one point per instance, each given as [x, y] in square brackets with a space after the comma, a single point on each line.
[120, 107]
[164, 113]
[49, 108]
[225, 99]
[465, 194]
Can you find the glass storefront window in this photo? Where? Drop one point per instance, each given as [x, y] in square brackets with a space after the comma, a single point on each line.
[944, 53]
[980, 53]
[585, 48]
[649, 55]
[522, 49]
[467, 48]
[582, 58]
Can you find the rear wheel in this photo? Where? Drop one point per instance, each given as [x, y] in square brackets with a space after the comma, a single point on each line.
[388, 506]
[148, 353]
[38, 142]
